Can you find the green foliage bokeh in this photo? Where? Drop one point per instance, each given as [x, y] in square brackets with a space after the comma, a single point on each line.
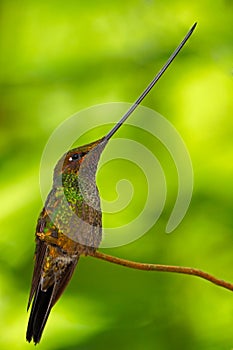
[59, 57]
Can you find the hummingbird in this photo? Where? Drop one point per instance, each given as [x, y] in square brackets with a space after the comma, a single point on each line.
[70, 224]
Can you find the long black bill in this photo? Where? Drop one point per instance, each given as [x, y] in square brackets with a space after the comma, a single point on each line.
[150, 86]
[88, 168]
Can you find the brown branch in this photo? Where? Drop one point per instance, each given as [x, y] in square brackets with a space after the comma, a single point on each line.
[163, 268]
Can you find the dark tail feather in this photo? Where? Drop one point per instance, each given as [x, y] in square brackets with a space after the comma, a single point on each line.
[41, 308]
[44, 301]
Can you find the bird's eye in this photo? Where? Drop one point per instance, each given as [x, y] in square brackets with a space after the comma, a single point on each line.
[76, 156]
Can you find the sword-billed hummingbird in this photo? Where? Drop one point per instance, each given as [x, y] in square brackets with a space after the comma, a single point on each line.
[70, 224]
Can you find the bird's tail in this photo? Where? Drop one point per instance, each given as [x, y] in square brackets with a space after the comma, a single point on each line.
[41, 308]
[43, 302]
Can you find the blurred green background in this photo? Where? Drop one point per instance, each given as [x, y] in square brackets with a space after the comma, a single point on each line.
[58, 57]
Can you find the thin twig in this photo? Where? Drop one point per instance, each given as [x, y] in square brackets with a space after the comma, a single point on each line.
[163, 268]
